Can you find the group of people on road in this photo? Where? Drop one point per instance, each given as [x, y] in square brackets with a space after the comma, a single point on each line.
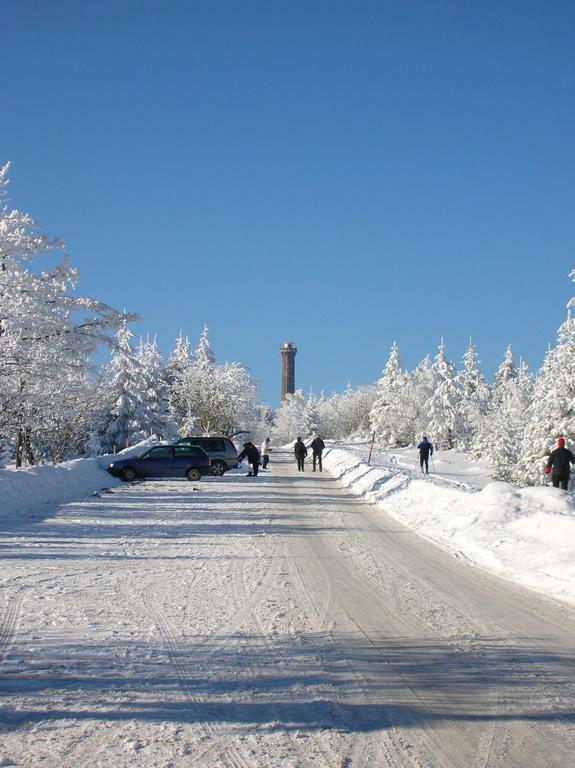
[558, 463]
[300, 451]
[262, 457]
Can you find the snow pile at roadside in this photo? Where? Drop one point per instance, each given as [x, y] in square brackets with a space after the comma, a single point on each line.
[526, 535]
[33, 491]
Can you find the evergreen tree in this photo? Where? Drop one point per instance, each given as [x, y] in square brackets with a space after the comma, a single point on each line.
[552, 413]
[389, 418]
[474, 398]
[126, 413]
[311, 417]
[422, 384]
[445, 424]
[153, 391]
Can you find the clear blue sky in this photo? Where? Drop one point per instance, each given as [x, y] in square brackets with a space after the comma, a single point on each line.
[336, 174]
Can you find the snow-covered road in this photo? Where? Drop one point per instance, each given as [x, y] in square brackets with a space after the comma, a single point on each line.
[277, 621]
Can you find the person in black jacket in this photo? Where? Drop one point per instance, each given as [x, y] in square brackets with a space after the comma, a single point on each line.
[425, 450]
[253, 456]
[300, 452]
[559, 464]
[317, 446]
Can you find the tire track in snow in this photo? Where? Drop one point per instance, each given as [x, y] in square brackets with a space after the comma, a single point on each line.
[10, 620]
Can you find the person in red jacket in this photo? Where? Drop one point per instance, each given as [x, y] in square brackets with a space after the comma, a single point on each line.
[559, 465]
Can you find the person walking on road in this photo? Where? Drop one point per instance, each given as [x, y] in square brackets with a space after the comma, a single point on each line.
[265, 452]
[559, 465]
[317, 446]
[300, 452]
[253, 456]
[425, 451]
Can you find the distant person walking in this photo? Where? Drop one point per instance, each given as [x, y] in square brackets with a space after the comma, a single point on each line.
[253, 456]
[300, 452]
[425, 449]
[317, 446]
[559, 465]
[265, 452]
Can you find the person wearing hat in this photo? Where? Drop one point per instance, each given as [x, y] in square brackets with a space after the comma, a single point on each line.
[559, 465]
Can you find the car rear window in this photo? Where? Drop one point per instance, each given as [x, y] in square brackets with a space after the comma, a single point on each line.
[187, 450]
[212, 444]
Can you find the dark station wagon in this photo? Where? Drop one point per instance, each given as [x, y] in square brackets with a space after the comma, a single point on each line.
[221, 451]
[164, 461]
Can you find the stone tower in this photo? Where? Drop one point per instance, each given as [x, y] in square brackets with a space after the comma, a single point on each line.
[288, 353]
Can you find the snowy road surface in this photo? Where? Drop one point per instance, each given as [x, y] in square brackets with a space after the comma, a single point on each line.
[277, 621]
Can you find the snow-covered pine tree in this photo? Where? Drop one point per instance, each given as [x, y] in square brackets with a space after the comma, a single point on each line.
[552, 413]
[153, 391]
[204, 356]
[179, 359]
[445, 425]
[389, 418]
[506, 372]
[126, 411]
[311, 417]
[213, 399]
[423, 381]
[474, 398]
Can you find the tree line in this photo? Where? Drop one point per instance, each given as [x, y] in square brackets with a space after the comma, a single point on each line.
[56, 403]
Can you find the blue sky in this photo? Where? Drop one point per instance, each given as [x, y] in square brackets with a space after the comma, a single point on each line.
[336, 174]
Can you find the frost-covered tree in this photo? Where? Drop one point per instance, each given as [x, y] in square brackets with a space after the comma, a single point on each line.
[552, 413]
[311, 416]
[445, 424]
[213, 399]
[389, 414]
[474, 397]
[48, 335]
[153, 391]
[506, 372]
[179, 359]
[290, 419]
[422, 384]
[204, 356]
[498, 438]
[126, 409]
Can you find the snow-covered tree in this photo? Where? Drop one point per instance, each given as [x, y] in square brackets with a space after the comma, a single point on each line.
[311, 416]
[213, 399]
[47, 334]
[389, 414]
[204, 356]
[445, 424]
[422, 384]
[126, 412]
[499, 434]
[474, 397]
[153, 391]
[290, 419]
[179, 359]
[552, 413]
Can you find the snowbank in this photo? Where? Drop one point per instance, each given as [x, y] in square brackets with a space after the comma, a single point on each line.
[33, 491]
[526, 535]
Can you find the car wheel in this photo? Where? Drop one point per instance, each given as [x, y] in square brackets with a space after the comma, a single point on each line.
[129, 474]
[193, 474]
[218, 468]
